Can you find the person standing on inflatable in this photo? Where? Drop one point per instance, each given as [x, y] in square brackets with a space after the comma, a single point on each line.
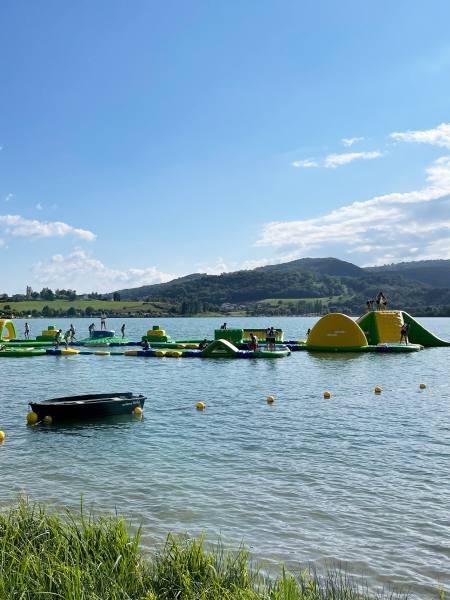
[103, 320]
[27, 332]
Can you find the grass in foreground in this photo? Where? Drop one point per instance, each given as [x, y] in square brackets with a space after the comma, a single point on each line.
[47, 555]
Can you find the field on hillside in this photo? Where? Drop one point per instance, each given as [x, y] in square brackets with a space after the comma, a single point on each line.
[86, 306]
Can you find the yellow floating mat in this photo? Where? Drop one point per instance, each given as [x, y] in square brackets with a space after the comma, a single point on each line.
[102, 353]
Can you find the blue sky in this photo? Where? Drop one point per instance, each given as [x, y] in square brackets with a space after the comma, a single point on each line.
[145, 140]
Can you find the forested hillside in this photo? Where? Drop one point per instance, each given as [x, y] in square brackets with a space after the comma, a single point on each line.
[305, 285]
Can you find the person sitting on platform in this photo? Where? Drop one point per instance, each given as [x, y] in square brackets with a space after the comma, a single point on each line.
[224, 326]
[146, 345]
[204, 344]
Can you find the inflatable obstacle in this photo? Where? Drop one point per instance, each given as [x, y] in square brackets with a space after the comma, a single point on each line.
[419, 335]
[383, 327]
[7, 330]
[21, 352]
[374, 332]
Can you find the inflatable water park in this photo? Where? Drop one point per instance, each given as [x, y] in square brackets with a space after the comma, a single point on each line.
[386, 331]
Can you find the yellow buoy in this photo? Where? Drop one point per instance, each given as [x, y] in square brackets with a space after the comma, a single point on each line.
[160, 353]
[102, 353]
[138, 410]
[270, 399]
[32, 418]
[48, 420]
[377, 389]
[200, 406]
[423, 386]
[327, 395]
[2, 436]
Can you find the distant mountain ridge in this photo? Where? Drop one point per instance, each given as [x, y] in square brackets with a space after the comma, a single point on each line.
[415, 284]
[432, 272]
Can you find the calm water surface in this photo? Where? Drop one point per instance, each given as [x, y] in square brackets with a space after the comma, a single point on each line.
[361, 480]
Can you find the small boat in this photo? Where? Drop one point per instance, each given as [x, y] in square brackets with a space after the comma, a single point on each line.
[88, 406]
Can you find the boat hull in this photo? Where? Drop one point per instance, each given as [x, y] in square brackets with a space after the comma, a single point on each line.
[88, 406]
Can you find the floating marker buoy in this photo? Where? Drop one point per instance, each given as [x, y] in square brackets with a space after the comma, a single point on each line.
[423, 386]
[32, 418]
[377, 390]
[138, 410]
[102, 353]
[160, 353]
[200, 406]
[327, 395]
[2, 436]
[270, 399]
[48, 420]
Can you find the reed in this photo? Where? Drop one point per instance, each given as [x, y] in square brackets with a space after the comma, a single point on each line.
[44, 554]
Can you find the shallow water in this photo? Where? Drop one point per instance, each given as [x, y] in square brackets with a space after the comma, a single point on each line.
[360, 480]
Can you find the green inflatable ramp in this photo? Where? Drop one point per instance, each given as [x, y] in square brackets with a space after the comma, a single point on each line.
[419, 335]
[220, 347]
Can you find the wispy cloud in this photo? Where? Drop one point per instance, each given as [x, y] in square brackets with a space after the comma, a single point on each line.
[350, 141]
[85, 273]
[39, 206]
[9, 197]
[336, 160]
[332, 161]
[381, 228]
[18, 226]
[439, 136]
[307, 163]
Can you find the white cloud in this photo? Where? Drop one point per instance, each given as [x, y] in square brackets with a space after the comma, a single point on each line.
[377, 229]
[39, 206]
[439, 136]
[307, 163]
[78, 270]
[336, 160]
[350, 141]
[18, 226]
[9, 197]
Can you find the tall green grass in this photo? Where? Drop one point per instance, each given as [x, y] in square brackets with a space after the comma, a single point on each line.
[62, 556]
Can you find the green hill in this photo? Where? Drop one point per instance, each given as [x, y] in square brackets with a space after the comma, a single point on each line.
[304, 285]
[432, 272]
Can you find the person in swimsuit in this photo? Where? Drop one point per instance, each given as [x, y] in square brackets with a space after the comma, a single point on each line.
[27, 331]
[253, 342]
[58, 338]
[67, 338]
[404, 332]
[122, 330]
[103, 321]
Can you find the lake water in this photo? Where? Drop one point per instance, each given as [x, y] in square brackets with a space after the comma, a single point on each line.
[361, 480]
